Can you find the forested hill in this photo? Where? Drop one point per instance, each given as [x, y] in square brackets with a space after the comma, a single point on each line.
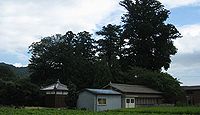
[19, 71]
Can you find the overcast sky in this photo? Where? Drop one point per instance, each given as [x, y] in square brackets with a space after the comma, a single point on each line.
[25, 21]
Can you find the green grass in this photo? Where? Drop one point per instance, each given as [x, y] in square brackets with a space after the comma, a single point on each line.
[136, 111]
[165, 110]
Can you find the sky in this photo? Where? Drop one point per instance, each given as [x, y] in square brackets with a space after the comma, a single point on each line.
[23, 22]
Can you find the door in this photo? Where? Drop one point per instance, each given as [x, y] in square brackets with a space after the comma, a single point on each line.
[130, 102]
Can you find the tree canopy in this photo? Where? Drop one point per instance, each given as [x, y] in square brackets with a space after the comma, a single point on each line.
[68, 57]
[149, 37]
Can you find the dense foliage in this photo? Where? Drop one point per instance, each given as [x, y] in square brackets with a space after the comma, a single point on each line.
[17, 91]
[70, 58]
[149, 37]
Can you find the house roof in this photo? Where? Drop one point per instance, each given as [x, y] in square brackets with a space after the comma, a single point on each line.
[103, 91]
[125, 88]
[197, 87]
[55, 86]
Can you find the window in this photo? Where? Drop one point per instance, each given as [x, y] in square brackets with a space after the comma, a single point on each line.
[127, 100]
[65, 93]
[59, 92]
[101, 101]
[132, 101]
[50, 92]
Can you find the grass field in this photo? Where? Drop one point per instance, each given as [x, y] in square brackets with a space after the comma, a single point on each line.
[137, 111]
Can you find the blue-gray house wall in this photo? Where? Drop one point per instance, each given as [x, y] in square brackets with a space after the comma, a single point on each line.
[112, 102]
[88, 101]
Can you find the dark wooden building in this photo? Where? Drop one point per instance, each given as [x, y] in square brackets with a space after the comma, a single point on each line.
[55, 95]
[192, 94]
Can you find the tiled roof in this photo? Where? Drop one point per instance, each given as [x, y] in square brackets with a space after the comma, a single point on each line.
[55, 86]
[197, 87]
[103, 91]
[125, 88]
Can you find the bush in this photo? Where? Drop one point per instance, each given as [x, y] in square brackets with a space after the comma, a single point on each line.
[19, 93]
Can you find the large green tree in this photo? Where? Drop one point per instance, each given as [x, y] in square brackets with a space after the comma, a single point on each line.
[149, 38]
[68, 57]
[110, 47]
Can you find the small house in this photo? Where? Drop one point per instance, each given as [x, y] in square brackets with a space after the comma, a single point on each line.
[55, 94]
[136, 95]
[99, 99]
[192, 94]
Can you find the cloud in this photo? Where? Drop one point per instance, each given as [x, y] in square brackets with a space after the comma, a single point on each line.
[186, 68]
[186, 63]
[179, 3]
[191, 39]
[26, 21]
[19, 65]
